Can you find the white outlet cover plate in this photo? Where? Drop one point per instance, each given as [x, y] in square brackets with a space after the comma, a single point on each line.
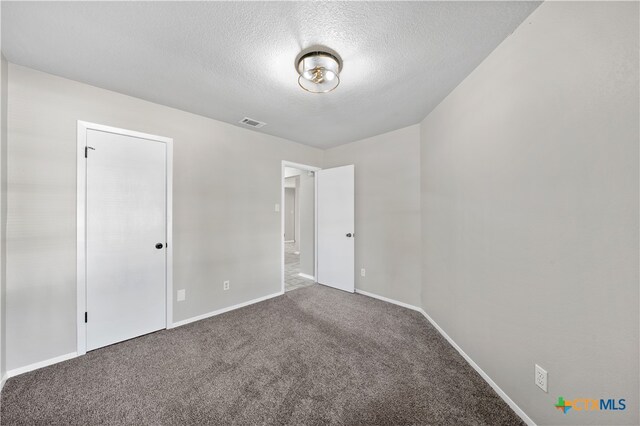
[181, 295]
[541, 378]
[362, 272]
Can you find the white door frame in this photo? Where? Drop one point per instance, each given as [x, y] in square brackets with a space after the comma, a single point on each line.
[315, 217]
[81, 230]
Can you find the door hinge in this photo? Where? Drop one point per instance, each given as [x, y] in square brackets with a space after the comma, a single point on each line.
[86, 150]
[85, 317]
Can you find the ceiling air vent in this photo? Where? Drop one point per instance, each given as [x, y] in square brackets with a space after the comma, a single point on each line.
[252, 123]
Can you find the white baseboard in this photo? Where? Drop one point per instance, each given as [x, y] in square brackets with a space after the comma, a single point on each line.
[223, 310]
[485, 376]
[41, 364]
[309, 277]
[51, 361]
[386, 299]
[467, 358]
[3, 381]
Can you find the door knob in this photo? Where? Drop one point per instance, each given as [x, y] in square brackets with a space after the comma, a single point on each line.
[349, 235]
[159, 246]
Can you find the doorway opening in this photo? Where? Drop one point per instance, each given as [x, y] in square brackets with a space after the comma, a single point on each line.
[298, 226]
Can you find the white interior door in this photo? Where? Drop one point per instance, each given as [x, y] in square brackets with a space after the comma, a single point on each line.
[336, 205]
[125, 226]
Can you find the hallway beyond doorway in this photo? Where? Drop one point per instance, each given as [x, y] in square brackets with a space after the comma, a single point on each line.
[292, 279]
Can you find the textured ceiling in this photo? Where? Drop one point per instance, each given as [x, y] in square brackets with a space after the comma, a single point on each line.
[228, 60]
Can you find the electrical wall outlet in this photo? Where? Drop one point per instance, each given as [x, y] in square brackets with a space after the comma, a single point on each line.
[225, 285]
[182, 294]
[362, 272]
[541, 378]
[277, 208]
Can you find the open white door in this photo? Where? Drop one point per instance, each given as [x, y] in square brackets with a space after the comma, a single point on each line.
[336, 217]
[126, 237]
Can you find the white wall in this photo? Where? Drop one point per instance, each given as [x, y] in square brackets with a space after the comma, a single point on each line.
[224, 229]
[3, 210]
[530, 211]
[387, 221]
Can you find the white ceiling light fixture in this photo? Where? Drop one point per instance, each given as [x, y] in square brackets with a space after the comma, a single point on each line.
[319, 71]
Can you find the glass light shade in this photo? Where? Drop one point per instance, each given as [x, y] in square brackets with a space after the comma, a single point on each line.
[319, 72]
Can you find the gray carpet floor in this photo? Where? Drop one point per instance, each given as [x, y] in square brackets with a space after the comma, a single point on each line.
[313, 356]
